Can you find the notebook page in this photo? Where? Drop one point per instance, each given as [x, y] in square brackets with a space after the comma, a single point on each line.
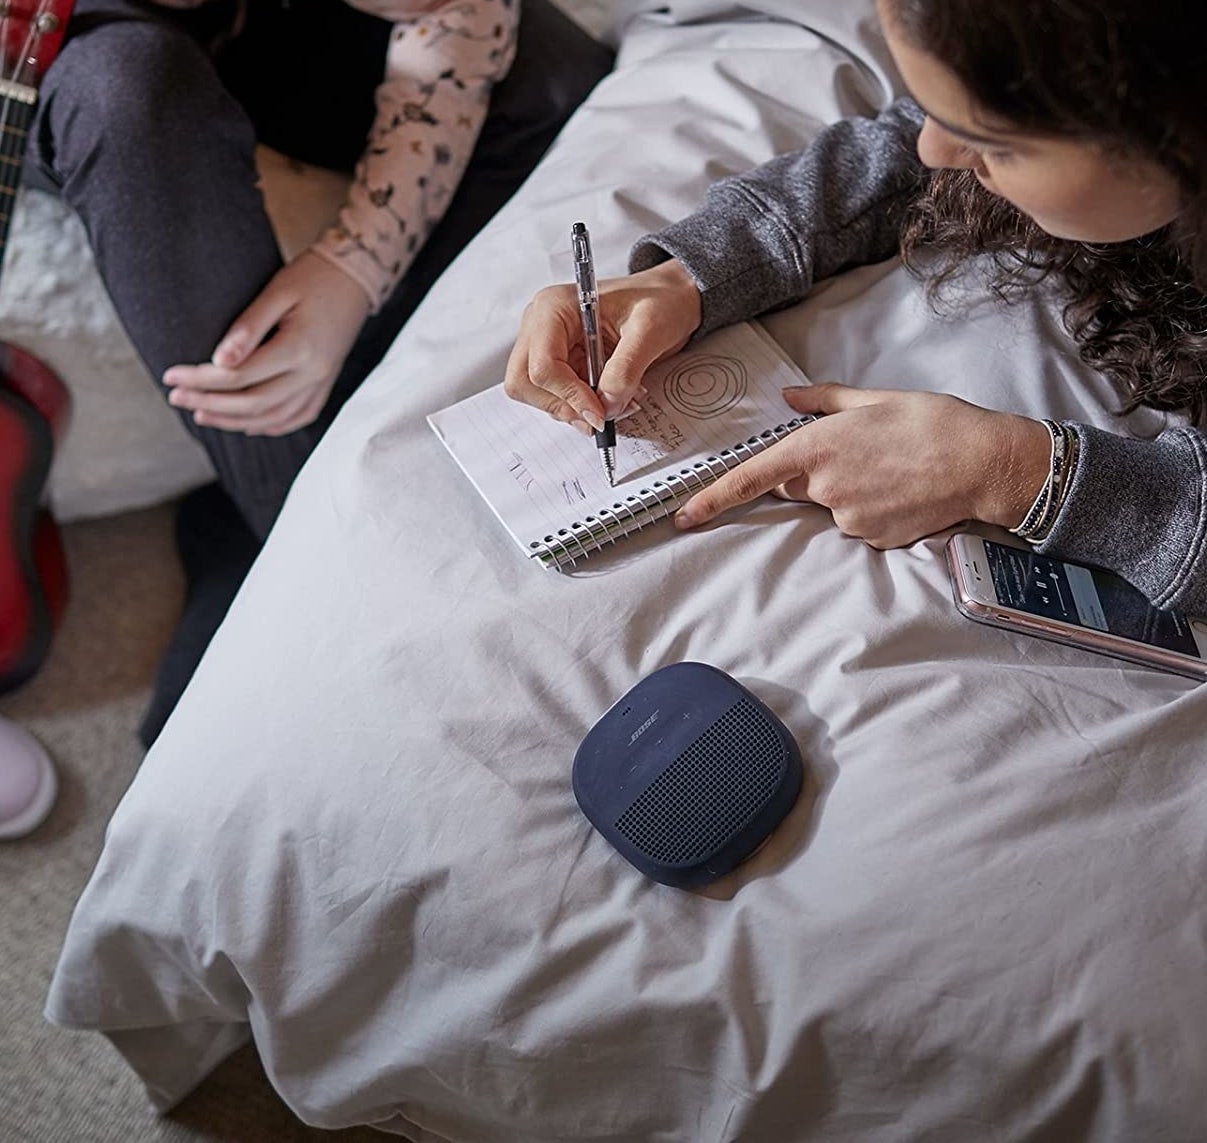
[539, 475]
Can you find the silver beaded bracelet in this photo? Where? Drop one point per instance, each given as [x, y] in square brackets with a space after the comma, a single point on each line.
[1041, 516]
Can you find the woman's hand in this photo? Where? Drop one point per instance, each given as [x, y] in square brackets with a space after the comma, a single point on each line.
[644, 317]
[273, 369]
[892, 466]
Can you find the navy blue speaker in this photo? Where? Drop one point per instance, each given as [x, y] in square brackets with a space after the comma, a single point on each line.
[687, 774]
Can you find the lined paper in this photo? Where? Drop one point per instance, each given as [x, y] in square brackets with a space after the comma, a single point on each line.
[540, 476]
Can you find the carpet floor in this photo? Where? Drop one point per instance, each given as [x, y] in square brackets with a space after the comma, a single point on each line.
[84, 706]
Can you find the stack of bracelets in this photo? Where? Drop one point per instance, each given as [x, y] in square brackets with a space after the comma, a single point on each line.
[1040, 517]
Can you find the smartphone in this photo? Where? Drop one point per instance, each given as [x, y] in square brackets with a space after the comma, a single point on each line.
[1017, 589]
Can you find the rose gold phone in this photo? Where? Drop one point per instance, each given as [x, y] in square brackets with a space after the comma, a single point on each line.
[1017, 589]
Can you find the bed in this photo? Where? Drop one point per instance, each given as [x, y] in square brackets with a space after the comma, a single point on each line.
[356, 844]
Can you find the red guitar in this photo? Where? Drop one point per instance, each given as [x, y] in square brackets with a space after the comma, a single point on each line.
[34, 403]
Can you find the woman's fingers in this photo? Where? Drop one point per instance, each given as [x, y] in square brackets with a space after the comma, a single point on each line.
[831, 397]
[785, 465]
[644, 317]
[539, 368]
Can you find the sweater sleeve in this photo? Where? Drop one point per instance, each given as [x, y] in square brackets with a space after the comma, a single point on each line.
[444, 58]
[1139, 508]
[761, 239]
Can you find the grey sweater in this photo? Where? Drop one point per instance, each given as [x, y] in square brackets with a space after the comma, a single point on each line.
[761, 239]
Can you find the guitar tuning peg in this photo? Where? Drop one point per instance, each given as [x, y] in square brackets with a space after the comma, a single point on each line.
[46, 21]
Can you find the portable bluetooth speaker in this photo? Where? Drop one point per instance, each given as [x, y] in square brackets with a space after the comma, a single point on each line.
[687, 774]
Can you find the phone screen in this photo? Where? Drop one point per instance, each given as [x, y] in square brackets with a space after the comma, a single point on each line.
[1087, 597]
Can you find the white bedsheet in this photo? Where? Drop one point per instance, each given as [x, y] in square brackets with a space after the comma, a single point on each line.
[356, 839]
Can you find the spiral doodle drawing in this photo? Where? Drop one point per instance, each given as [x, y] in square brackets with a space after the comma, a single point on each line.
[706, 386]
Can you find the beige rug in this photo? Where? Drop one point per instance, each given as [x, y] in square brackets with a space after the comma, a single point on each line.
[85, 704]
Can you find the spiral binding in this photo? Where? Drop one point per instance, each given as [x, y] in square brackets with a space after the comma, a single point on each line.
[632, 513]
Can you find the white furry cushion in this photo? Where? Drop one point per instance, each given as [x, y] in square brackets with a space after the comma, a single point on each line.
[124, 448]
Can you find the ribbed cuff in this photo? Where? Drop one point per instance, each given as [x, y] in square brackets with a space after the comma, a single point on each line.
[360, 265]
[743, 263]
[1136, 507]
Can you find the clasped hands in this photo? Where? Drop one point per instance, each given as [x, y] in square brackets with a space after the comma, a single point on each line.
[892, 466]
[272, 371]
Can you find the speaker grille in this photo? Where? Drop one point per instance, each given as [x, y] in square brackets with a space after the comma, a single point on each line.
[710, 791]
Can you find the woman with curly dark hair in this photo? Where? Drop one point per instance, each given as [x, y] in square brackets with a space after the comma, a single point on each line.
[1067, 141]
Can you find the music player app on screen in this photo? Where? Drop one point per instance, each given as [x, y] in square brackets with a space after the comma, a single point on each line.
[1084, 596]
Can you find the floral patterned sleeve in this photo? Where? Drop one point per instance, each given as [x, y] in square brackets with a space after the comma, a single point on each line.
[444, 58]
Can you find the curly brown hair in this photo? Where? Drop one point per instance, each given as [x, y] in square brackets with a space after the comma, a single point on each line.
[1131, 76]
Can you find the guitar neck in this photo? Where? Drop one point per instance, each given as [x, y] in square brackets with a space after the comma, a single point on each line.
[31, 34]
[17, 105]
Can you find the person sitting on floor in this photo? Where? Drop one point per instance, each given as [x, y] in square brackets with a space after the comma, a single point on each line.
[147, 126]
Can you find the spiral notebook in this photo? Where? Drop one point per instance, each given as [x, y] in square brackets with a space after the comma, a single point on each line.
[709, 408]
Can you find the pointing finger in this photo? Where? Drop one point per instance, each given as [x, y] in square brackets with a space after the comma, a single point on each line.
[784, 462]
[830, 397]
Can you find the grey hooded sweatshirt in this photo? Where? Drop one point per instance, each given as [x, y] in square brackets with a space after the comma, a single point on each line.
[761, 239]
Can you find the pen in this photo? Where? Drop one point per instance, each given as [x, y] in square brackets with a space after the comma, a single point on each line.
[588, 305]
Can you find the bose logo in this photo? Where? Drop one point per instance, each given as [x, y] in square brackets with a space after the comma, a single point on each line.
[643, 727]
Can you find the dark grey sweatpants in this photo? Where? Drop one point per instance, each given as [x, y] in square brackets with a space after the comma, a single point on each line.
[147, 125]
